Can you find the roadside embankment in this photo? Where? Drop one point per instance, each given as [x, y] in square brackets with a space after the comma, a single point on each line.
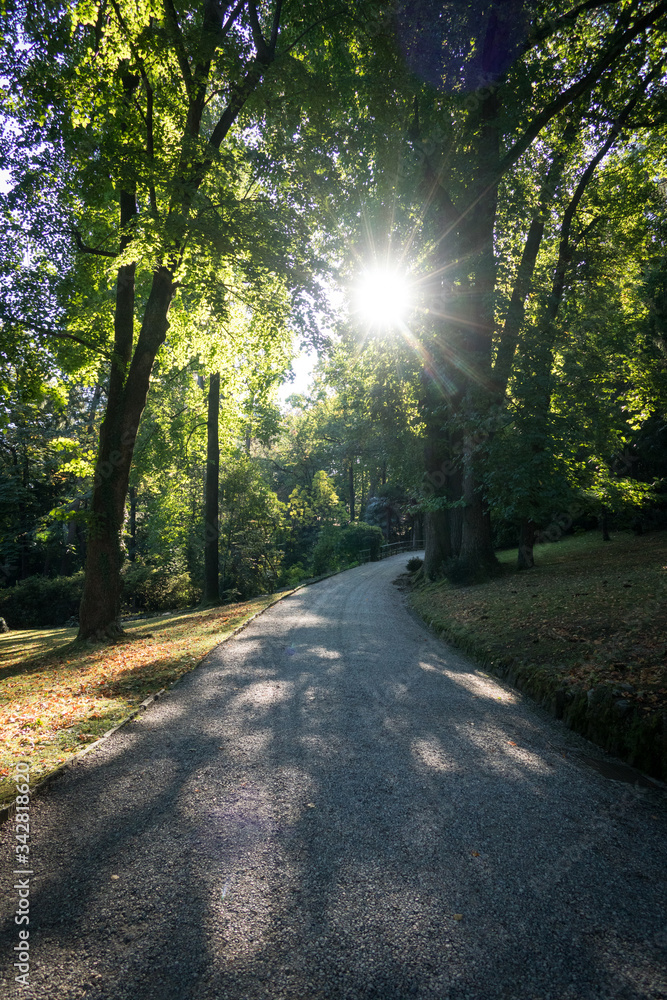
[584, 634]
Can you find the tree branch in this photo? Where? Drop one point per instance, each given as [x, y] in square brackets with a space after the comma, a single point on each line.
[148, 116]
[71, 336]
[315, 24]
[84, 248]
[232, 18]
[46, 331]
[261, 46]
[579, 88]
[179, 46]
[553, 25]
[275, 27]
[564, 249]
[509, 336]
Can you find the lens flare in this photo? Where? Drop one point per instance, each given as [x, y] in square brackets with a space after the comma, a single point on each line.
[382, 298]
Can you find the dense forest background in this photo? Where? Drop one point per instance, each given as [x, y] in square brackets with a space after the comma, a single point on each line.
[197, 191]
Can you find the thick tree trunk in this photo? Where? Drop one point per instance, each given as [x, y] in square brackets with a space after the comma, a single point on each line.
[211, 595]
[455, 492]
[99, 613]
[438, 460]
[475, 559]
[437, 543]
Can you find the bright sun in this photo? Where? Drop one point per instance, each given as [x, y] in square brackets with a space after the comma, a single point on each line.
[382, 298]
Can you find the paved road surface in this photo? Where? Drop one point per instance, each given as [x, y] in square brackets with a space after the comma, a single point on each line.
[336, 805]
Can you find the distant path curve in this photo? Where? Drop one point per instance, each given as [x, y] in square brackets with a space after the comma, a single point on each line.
[336, 805]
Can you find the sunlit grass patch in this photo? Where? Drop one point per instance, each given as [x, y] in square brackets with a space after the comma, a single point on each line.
[23, 644]
[57, 696]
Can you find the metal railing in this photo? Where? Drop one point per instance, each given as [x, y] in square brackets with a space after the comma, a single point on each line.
[389, 549]
[393, 548]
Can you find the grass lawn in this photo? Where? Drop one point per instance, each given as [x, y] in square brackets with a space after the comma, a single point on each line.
[56, 697]
[591, 612]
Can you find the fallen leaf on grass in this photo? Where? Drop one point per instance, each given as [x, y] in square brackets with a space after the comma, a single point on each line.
[458, 916]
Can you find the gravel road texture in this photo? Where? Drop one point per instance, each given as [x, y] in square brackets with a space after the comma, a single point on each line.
[337, 805]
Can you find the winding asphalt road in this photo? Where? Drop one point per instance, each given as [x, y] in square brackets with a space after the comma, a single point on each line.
[337, 805]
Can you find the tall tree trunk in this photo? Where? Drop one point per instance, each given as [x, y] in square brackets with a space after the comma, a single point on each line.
[99, 613]
[211, 594]
[351, 483]
[527, 532]
[540, 352]
[604, 526]
[476, 557]
[132, 547]
[438, 462]
[437, 545]
[509, 337]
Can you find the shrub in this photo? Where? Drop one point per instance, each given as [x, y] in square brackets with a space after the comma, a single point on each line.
[251, 518]
[325, 553]
[40, 602]
[356, 538]
[337, 547]
[156, 588]
[414, 564]
[293, 576]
